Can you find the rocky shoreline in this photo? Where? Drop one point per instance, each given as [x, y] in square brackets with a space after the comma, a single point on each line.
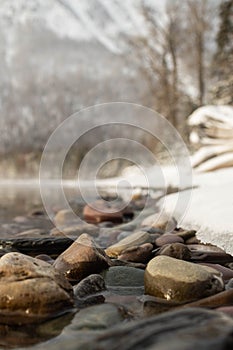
[115, 280]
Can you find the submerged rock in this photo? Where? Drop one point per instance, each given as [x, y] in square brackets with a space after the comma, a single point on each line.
[83, 258]
[179, 280]
[31, 289]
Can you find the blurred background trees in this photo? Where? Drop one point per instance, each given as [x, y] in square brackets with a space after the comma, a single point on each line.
[60, 56]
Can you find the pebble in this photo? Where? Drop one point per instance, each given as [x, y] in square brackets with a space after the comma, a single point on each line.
[31, 289]
[136, 238]
[175, 250]
[140, 254]
[186, 234]
[83, 258]
[32, 233]
[220, 299]
[168, 238]
[227, 274]
[160, 221]
[179, 280]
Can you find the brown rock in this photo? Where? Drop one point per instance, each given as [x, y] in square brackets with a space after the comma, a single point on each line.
[140, 254]
[160, 221]
[175, 250]
[31, 289]
[65, 217]
[75, 230]
[218, 300]
[83, 258]
[168, 238]
[103, 211]
[179, 280]
[135, 239]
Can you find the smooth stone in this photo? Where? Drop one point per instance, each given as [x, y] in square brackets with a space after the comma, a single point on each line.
[65, 217]
[187, 329]
[100, 211]
[45, 257]
[160, 221]
[136, 238]
[226, 310]
[179, 280]
[90, 285]
[224, 298]
[124, 276]
[152, 230]
[229, 284]
[98, 317]
[31, 289]
[75, 230]
[123, 235]
[175, 250]
[192, 240]
[139, 254]
[227, 274]
[186, 234]
[168, 238]
[83, 258]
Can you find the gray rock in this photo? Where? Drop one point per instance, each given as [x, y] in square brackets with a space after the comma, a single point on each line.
[31, 289]
[125, 280]
[90, 285]
[83, 258]
[179, 280]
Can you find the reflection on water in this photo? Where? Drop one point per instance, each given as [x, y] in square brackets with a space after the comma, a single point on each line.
[23, 197]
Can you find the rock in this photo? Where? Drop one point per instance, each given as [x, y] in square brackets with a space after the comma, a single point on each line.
[227, 274]
[31, 290]
[75, 230]
[153, 230]
[124, 276]
[97, 317]
[136, 238]
[160, 221]
[116, 262]
[37, 233]
[175, 250]
[224, 298]
[140, 254]
[188, 329]
[125, 280]
[45, 257]
[168, 238]
[65, 217]
[90, 285]
[83, 258]
[186, 234]
[192, 240]
[229, 285]
[106, 211]
[179, 280]
[226, 310]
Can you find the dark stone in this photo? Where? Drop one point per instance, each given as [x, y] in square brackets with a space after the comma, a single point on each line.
[175, 250]
[90, 285]
[168, 238]
[139, 254]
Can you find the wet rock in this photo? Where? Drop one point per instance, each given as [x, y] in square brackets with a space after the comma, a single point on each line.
[97, 317]
[176, 330]
[136, 238]
[90, 285]
[45, 257]
[227, 274]
[229, 285]
[209, 254]
[75, 230]
[192, 240]
[140, 254]
[226, 310]
[179, 280]
[160, 221]
[116, 262]
[168, 238]
[175, 250]
[106, 211]
[125, 280]
[153, 230]
[31, 290]
[83, 258]
[224, 298]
